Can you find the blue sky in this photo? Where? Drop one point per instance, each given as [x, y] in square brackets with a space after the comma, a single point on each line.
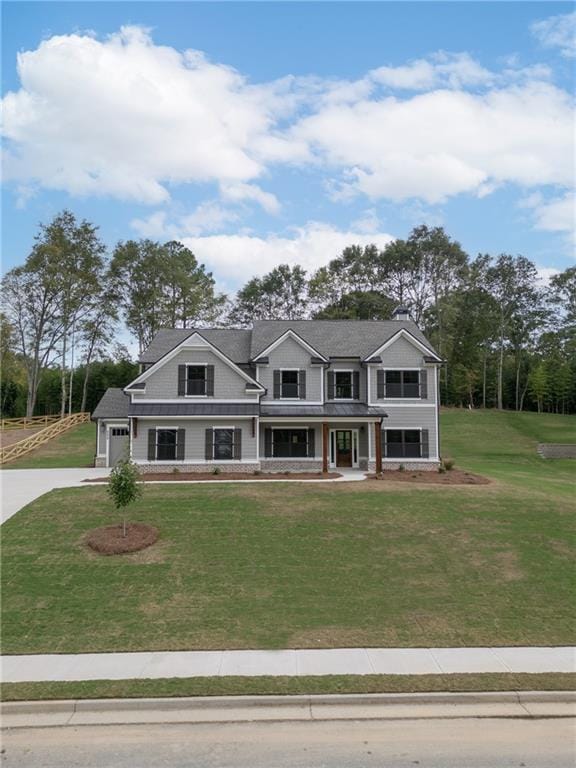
[292, 129]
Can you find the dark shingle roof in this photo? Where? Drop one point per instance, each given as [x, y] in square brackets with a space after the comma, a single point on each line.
[113, 405]
[334, 338]
[331, 338]
[194, 409]
[233, 342]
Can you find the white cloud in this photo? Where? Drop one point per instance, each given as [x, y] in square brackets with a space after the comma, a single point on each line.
[209, 216]
[367, 223]
[125, 117]
[557, 215]
[239, 192]
[557, 32]
[237, 258]
[446, 142]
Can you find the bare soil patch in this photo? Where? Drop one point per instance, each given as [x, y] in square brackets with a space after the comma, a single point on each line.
[109, 540]
[11, 436]
[148, 477]
[453, 477]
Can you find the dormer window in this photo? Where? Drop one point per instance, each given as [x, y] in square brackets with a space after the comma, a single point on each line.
[343, 385]
[196, 380]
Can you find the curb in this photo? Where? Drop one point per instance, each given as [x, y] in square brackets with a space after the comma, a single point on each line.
[229, 709]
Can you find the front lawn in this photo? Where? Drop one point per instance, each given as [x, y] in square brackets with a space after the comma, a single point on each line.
[279, 566]
[74, 448]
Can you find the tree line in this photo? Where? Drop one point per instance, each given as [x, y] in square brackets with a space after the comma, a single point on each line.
[508, 340]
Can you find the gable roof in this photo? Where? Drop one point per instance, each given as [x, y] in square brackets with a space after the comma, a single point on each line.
[289, 333]
[335, 338]
[331, 338]
[113, 405]
[233, 342]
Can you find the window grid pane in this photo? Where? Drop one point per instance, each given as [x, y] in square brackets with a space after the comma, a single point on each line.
[289, 384]
[290, 443]
[196, 380]
[403, 443]
[166, 440]
[223, 444]
[343, 388]
[402, 383]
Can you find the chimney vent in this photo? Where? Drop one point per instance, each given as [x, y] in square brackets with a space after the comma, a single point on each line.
[401, 313]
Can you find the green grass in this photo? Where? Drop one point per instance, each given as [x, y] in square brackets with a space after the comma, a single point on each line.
[74, 448]
[262, 686]
[284, 565]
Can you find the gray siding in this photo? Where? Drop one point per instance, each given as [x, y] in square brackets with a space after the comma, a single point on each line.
[403, 354]
[195, 437]
[290, 354]
[412, 418]
[348, 365]
[228, 384]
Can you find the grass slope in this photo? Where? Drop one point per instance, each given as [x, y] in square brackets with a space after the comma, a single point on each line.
[273, 566]
[74, 448]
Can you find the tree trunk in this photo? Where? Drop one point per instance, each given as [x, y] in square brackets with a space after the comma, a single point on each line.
[500, 374]
[484, 373]
[518, 364]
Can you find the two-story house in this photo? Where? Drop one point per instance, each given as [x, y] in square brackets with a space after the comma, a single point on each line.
[297, 395]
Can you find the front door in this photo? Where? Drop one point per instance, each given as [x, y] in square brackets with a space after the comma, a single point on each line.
[343, 447]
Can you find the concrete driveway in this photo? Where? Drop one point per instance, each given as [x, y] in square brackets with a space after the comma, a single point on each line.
[18, 487]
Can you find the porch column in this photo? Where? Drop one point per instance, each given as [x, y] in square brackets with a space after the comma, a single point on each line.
[378, 445]
[324, 447]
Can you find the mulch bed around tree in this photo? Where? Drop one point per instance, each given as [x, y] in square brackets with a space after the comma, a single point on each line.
[451, 477]
[109, 540]
[187, 476]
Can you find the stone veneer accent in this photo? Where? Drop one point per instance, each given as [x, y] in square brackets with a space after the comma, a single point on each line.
[100, 461]
[291, 466]
[414, 466]
[239, 467]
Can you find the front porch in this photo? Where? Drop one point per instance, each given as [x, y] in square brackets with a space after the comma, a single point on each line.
[321, 446]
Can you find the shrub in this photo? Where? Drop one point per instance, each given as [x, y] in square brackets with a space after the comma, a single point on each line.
[448, 464]
[441, 469]
[175, 471]
[216, 471]
[401, 468]
[257, 471]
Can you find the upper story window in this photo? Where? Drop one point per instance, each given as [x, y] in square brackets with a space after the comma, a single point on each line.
[196, 380]
[289, 384]
[343, 385]
[398, 384]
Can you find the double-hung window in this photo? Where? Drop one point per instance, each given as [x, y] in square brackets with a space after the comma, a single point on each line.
[343, 387]
[289, 384]
[196, 380]
[402, 384]
[166, 442]
[289, 443]
[224, 444]
[403, 443]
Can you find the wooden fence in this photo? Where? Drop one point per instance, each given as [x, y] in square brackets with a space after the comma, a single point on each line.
[16, 450]
[28, 423]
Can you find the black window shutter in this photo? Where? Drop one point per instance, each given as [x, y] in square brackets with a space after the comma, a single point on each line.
[276, 385]
[356, 385]
[423, 383]
[237, 443]
[180, 444]
[311, 448]
[302, 385]
[210, 380]
[209, 452]
[151, 445]
[424, 444]
[181, 380]
[331, 385]
[380, 386]
[267, 442]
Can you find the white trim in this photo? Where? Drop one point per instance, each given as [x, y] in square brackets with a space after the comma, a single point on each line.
[210, 400]
[292, 334]
[235, 462]
[437, 399]
[403, 332]
[401, 402]
[206, 417]
[186, 344]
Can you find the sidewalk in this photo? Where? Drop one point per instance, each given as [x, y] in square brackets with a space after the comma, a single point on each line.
[336, 661]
